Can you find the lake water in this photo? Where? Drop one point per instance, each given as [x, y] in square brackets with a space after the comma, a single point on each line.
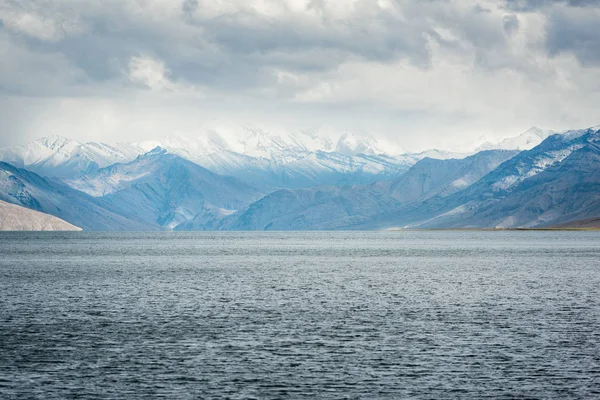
[300, 315]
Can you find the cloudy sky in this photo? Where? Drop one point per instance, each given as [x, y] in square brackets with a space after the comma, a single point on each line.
[421, 72]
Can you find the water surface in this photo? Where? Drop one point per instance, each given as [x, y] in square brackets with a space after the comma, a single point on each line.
[299, 315]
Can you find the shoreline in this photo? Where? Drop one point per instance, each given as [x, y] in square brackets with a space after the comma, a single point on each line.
[494, 229]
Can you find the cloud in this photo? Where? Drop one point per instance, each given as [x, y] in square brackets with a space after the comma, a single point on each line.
[536, 5]
[238, 44]
[462, 66]
[571, 26]
[511, 23]
[39, 20]
[574, 30]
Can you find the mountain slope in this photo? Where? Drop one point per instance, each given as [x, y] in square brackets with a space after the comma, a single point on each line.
[56, 156]
[17, 218]
[565, 191]
[327, 207]
[340, 207]
[553, 183]
[432, 177]
[25, 188]
[164, 189]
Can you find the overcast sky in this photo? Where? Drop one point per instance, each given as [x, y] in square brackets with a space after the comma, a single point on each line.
[421, 72]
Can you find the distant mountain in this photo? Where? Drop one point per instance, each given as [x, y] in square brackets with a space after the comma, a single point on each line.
[210, 218]
[341, 207]
[264, 159]
[17, 218]
[165, 190]
[525, 141]
[27, 189]
[440, 178]
[56, 156]
[328, 207]
[554, 183]
[310, 169]
[270, 160]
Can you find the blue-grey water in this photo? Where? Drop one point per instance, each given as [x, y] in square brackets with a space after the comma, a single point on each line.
[300, 315]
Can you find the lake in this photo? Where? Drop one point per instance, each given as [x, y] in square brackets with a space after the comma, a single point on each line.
[447, 314]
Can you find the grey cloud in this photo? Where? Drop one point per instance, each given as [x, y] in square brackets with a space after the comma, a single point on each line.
[533, 5]
[243, 50]
[511, 24]
[571, 26]
[318, 5]
[575, 32]
[240, 50]
[379, 37]
[189, 6]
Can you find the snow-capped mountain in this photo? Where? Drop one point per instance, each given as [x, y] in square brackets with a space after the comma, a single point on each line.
[525, 141]
[158, 188]
[440, 178]
[555, 182]
[280, 146]
[266, 159]
[61, 157]
[339, 207]
[18, 218]
[27, 189]
[165, 190]
[288, 159]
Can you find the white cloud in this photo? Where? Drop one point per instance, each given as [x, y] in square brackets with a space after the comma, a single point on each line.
[420, 72]
[39, 20]
[149, 72]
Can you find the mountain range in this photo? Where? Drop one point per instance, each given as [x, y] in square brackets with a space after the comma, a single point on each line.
[269, 160]
[255, 180]
[334, 207]
[164, 189]
[553, 183]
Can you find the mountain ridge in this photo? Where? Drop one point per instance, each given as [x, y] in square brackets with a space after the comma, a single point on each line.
[164, 189]
[266, 159]
[343, 206]
[508, 188]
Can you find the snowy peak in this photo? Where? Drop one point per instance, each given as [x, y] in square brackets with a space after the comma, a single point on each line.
[551, 152]
[351, 145]
[535, 131]
[120, 175]
[592, 133]
[525, 141]
[61, 157]
[157, 151]
[56, 143]
[273, 157]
